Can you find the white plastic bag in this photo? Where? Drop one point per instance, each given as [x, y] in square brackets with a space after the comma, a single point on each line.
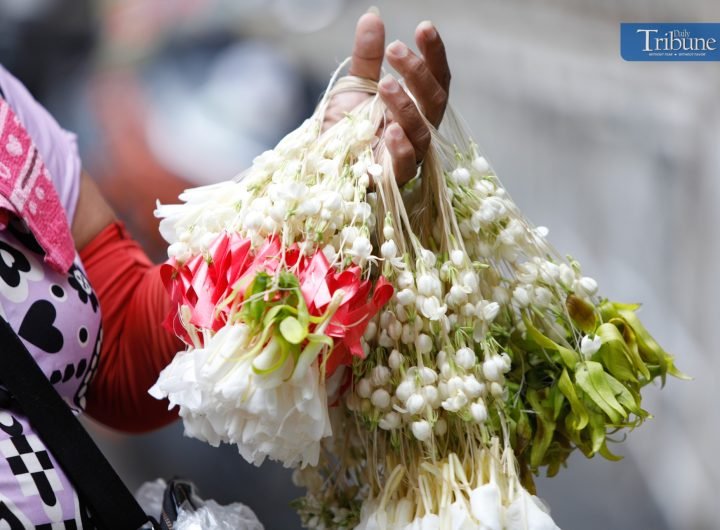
[208, 516]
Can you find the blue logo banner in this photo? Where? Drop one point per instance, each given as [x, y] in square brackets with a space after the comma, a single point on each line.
[681, 41]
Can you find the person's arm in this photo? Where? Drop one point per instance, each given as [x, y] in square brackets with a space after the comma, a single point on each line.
[133, 304]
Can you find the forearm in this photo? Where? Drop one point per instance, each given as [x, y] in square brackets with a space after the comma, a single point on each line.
[135, 346]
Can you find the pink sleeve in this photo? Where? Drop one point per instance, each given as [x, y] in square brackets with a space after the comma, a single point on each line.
[57, 147]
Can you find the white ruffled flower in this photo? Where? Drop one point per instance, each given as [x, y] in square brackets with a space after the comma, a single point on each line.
[223, 399]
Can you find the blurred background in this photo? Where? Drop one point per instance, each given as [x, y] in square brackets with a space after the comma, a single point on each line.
[621, 160]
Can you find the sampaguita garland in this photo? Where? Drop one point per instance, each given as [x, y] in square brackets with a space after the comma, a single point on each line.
[417, 355]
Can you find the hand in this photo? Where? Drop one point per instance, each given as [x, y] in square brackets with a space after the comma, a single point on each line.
[427, 76]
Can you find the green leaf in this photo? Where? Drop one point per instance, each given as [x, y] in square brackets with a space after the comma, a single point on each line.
[557, 399]
[615, 354]
[544, 429]
[594, 381]
[632, 346]
[292, 331]
[650, 349]
[254, 305]
[569, 357]
[579, 411]
[597, 432]
[629, 400]
[606, 453]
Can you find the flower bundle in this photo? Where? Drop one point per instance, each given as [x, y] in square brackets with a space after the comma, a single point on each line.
[460, 352]
[272, 278]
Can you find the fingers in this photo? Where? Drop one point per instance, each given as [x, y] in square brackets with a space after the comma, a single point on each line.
[369, 47]
[406, 114]
[402, 153]
[432, 49]
[431, 97]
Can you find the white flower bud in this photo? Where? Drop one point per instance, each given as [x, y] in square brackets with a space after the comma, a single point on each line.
[375, 170]
[405, 297]
[388, 250]
[380, 398]
[468, 310]
[401, 313]
[405, 280]
[432, 309]
[309, 207]
[465, 358]
[543, 296]
[446, 370]
[491, 371]
[408, 334]
[388, 231]
[361, 248]
[421, 430]
[364, 132]
[428, 376]
[490, 311]
[390, 421]
[428, 258]
[347, 191]
[180, 251]
[500, 295]
[385, 340]
[445, 270]
[380, 375]
[461, 176]
[505, 362]
[457, 296]
[457, 256]
[386, 318]
[329, 252]
[395, 330]
[588, 286]
[480, 165]
[478, 411]
[443, 390]
[415, 403]
[423, 344]
[405, 389]
[472, 387]
[440, 427]
[589, 346]
[425, 284]
[253, 220]
[566, 275]
[363, 388]
[395, 360]
[455, 385]
[455, 403]
[521, 297]
[370, 331]
[431, 395]
[469, 279]
[498, 391]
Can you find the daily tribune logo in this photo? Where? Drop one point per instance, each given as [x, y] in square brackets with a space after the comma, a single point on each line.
[670, 42]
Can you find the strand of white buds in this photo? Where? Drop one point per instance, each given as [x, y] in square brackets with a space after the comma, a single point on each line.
[487, 498]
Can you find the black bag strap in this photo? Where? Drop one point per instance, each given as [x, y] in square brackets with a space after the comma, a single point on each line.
[110, 502]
